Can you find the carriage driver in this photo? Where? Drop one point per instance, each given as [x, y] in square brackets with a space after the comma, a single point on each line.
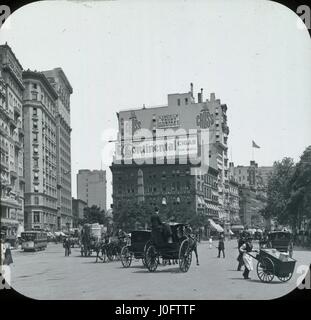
[164, 228]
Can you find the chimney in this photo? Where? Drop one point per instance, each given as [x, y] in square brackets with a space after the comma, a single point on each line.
[199, 97]
[202, 94]
[191, 89]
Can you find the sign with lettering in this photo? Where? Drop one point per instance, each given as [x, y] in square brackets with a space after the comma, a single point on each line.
[168, 121]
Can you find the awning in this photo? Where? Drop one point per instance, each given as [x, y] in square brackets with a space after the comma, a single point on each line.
[237, 228]
[215, 226]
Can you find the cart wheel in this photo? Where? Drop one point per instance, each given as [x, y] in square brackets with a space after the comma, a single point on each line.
[144, 262]
[265, 269]
[151, 258]
[286, 278]
[185, 256]
[126, 257]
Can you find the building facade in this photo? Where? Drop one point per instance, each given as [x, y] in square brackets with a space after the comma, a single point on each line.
[40, 163]
[11, 143]
[253, 182]
[199, 125]
[60, 83]
[78, 207]
[92, 187]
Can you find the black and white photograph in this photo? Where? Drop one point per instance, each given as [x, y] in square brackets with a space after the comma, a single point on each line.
[155, 150]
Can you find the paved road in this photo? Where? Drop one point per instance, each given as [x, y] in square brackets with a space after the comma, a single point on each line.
[50, 275]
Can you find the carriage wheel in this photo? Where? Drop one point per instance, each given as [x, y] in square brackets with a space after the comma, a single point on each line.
[265, 269]
[185, 256]
[126, 257]
[144, 262]
[151, 258]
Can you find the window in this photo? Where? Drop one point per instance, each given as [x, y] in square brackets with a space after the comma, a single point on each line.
[34, 95]
[186, 100]
[34, 86]
[36, 217]
[178, 102]
[34, 111]
[36, 200]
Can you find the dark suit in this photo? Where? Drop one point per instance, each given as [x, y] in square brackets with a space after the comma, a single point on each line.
[155, 221]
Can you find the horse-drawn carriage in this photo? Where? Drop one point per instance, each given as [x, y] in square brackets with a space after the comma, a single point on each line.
[158, 247]
[135, 247]
[88, 240]
[279, 240]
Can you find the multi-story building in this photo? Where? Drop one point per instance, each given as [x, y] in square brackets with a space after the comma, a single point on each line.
[78, 206]
[206, 185]
[60, 83]
[234, 202]
[11, 142]
[251, 176]
[91, 187]
[253, 181]
[40, 163]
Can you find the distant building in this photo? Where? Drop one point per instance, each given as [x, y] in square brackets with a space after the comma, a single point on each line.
[251, 176]
[40, 162]
[11, 143]
[92, 187]
[78, 207]
[253, 182]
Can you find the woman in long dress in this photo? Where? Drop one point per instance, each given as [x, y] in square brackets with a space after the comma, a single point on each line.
[247, 259]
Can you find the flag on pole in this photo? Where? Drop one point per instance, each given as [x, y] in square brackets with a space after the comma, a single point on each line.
[255, 145]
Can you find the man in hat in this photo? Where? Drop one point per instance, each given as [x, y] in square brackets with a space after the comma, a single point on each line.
[158, 225]
[246, 248]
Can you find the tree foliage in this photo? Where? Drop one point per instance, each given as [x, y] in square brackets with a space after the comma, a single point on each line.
[94, 215]
[289, 191]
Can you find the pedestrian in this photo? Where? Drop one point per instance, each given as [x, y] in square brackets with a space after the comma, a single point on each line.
[246, 248]
[210, 241]
[66, 245]
[2, 248]
[7, 254]
[221, 246]
[240, 256]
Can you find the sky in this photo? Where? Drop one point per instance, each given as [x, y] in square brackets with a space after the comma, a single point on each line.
[254, 55]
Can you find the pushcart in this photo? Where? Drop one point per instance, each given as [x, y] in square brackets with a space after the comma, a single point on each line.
[273, 263]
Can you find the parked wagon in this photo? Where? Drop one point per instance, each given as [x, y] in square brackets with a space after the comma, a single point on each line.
[135, 247]
[179, 249]
[273, 263]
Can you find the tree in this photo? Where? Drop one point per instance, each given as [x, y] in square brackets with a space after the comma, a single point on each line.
[278, 191]
[94, 215]
[299, 202]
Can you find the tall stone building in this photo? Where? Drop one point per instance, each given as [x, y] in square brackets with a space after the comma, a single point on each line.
[61, 85]
[40, 152]
[190, 130]
[11, 143]
[253, 182]
[92, 187]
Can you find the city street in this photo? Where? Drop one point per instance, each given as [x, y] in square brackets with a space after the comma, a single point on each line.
[49, 275]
